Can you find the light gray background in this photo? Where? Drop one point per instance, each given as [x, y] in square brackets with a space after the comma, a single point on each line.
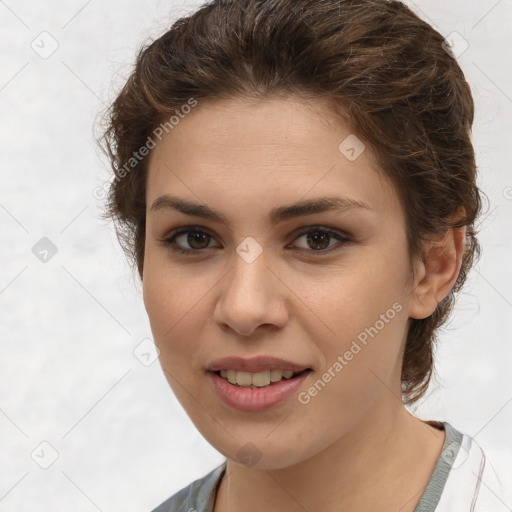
[69, 326]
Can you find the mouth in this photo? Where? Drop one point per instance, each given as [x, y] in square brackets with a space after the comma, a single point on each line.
[257, 383]
[257, 391]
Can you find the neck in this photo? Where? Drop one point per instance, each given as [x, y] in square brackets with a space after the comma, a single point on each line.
[384, 461]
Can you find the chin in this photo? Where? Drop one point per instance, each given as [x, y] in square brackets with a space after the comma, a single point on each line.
[259, 452]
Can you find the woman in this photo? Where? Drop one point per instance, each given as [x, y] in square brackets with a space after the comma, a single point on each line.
[296, 184]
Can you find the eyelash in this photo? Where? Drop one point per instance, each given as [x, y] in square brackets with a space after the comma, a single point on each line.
[170, 240]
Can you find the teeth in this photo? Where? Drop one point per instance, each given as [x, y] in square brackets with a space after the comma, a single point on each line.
[261, 379]
[276, 375]
[258, 379]
[243, 378]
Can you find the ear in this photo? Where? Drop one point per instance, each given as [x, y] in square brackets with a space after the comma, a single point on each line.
[436, 276]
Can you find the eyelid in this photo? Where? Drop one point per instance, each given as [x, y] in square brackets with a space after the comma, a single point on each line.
[343, 238]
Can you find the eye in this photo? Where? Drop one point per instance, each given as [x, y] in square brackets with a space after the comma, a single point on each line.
[196, 239]
[319, 239]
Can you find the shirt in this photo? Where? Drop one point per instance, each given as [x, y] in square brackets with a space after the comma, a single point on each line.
[462, 481]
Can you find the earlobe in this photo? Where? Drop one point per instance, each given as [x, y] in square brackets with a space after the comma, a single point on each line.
[436, 276]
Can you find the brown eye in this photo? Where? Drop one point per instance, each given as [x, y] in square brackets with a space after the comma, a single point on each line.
[196, 239]
[192, 240]
[319, 240]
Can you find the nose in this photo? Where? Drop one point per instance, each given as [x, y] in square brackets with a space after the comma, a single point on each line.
[251, 298]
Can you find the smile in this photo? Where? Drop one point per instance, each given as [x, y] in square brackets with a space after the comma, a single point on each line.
[257, 391]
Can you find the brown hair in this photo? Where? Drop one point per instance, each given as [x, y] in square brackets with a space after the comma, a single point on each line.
[373, 60]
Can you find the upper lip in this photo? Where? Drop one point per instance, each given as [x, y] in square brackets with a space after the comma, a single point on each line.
[254, 364]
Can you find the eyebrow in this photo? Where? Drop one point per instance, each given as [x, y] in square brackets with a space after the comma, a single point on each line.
[277, 215]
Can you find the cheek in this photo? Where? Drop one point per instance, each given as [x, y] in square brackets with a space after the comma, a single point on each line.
[167, 292]
[166, 302]
[161, 303]
[171, 313]
[176, 302]
[363, 319]
[348, 299]
[360, 363]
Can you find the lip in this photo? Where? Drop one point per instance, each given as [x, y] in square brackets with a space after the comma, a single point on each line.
[256, 399]
[254, 364]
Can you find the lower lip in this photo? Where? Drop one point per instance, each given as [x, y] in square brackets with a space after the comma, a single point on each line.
[256, 399]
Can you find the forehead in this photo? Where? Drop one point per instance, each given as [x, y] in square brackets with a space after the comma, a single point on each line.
[278, 150]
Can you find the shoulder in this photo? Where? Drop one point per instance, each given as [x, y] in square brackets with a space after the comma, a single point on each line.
[472, 483]
[198, 495]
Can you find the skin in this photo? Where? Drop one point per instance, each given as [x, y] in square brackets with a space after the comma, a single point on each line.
[354, 444]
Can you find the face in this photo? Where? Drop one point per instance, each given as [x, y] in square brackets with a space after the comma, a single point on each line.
[323, 289]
